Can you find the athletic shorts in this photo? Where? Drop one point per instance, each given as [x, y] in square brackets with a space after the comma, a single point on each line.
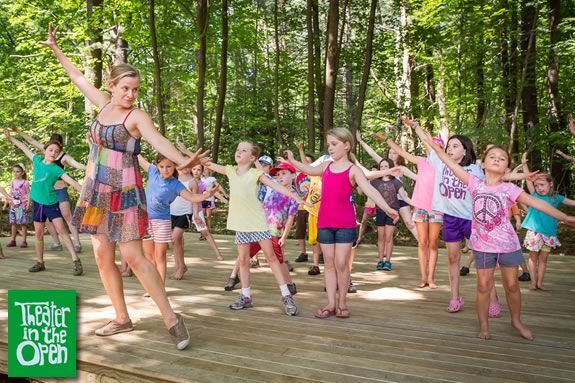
[255, 247]
[382, 219]
[42, 212]
[181, 221]
[491, 260]
[455, 229]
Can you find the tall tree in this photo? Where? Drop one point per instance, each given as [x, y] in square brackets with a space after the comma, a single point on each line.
[120, 45]
[276, 75]
[330, 65]
[202, 20]
[157, 68]
[222, 83]
[318, 73]
[93, 66]
[510, 65]
[556, 119]
[310, 78]
[366, 67]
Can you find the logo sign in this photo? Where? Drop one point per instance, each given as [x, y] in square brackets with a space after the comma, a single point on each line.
[42, 333]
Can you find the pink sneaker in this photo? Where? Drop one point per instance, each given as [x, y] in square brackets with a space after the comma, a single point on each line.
[494, 310]
[11, 244]
[455, 305]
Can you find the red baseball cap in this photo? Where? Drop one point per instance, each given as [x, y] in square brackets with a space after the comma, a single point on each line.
[282, 166]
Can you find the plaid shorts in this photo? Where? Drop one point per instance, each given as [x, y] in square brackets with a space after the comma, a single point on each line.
[244, 237]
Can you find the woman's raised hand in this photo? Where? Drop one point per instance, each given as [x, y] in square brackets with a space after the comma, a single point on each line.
[50, 42]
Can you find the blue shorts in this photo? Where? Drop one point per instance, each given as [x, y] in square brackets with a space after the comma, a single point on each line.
[382, 219]
[491, 260]
[62, 194]
[42, 212]
[455, 229]
[329, 236]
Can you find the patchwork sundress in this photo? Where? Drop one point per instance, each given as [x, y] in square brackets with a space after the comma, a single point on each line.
[113, 200]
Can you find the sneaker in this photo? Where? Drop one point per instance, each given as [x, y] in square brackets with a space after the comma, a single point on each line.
[289, 305]
[379, 265]
[351, 289]
[290, 267]
[302, 257]
[254, 263]
[38, 266]
[321, 259]
[24, 245]
[11, 244]
[113, 327]
[56, 247]
[242, 302]
[231, 283]
[78, 247]
[386, 266]
[292, 288]
[525, 277]
[180, 333]
[78, 269]
[464, 271]
[314, 270]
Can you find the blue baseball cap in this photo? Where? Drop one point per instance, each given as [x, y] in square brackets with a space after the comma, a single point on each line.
[266, 160]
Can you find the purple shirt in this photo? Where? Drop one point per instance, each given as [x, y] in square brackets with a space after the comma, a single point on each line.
[491, 229]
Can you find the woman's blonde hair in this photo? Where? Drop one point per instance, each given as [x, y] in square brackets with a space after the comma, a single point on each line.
[120, 71]
[345, 136]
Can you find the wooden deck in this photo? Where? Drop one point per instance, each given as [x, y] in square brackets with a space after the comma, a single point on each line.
[397, 333]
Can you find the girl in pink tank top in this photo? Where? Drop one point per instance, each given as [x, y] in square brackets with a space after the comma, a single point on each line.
[336, 221]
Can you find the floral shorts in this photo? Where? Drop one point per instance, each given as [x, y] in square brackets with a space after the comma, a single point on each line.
[540, 242]
[420, 215]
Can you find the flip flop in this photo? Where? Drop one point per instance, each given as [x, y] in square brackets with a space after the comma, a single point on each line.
[324, 313]
[343, 313]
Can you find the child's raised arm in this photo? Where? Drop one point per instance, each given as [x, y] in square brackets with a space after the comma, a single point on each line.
[544, 207]
[368, 149]
[38, 145]
[96, 96]
[144, 164]
[281, 189]
[196, 198]
[302, 156]
[305, 168]
[399, 150]
[454, 166]
[72, 182]
[215, 167]
[73, 163]
[568, 202]
[529, 180]
[372, 193]
[5, 194]
[423, 136]
[27, 152]
[567, 157]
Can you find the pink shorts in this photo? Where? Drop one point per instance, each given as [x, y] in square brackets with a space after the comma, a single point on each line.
[160, 230]
[369, 211]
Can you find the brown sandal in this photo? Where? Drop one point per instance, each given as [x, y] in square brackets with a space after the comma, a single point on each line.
[343, 313]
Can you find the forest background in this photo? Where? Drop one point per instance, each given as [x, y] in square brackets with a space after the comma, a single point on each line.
[275, 71]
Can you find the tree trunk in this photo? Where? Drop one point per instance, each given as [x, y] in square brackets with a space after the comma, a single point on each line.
[441, 99]
[349, 86]
[557, 122]
[157, 69]
[310, 78]
[223, 82]
[481, 112]
[120, 45]
[529, 88]
[330, 65]
[202, 12]
[510, 68]
[366, 68]
[318, 72]
[276, 76]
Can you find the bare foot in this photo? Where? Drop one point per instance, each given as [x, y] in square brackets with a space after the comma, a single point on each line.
[484, 334]
[523, 331]
[2, 255]
[540, 286]
[432, 285]
[179, 274]
[421, 284]
[532, 286]
[220, 257]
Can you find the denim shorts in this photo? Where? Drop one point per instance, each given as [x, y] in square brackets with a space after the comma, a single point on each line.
[62, 194]
[330, 236]
[455, 229]
[491, 260]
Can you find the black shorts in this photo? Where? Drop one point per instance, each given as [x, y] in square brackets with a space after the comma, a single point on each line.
[208, 204]
[181, 221]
